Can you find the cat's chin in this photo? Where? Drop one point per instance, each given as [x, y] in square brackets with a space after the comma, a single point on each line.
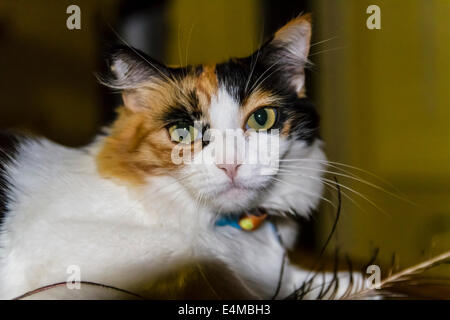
[233, 199]
[234, 193]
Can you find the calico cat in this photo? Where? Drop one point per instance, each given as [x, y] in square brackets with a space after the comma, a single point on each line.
[127, 215]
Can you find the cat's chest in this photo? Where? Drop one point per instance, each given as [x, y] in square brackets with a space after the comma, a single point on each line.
[64, 214]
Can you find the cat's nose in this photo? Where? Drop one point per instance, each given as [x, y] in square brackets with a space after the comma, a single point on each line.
[230, 169]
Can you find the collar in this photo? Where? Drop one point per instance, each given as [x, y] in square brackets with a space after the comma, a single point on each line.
[247, 222]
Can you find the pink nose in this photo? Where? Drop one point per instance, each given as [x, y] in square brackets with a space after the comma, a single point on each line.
[230, 169]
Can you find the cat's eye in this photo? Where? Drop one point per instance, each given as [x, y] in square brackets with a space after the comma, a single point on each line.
[184, 132]
[262, 119]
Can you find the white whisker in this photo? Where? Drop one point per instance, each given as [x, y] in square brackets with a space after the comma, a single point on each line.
[188, 43]
[322, 41]
[330, 185]
[345, 187]
[352, 177]
[328, 50]
[252, 70]
[305, 192]
[335, 164]
[257, 83]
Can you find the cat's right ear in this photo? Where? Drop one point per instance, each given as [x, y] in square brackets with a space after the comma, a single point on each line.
[288, 51]
[129, 70]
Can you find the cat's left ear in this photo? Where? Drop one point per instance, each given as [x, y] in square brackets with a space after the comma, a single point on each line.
[288, 51]
[130, 70]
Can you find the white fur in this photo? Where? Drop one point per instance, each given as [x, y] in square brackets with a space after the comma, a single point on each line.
[64, 213]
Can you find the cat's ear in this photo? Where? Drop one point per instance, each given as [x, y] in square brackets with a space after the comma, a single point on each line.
[129, 70]
[288, 51]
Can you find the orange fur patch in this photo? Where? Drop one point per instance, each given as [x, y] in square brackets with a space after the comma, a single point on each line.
[207, 84]
[139, 144]
[134, 149]
[286, 128]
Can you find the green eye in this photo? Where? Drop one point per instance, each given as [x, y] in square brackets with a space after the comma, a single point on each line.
[184, 132]
[262, 119]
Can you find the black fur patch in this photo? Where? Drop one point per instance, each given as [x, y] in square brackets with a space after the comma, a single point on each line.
[178, 112]
[9, 144]
[234, 76]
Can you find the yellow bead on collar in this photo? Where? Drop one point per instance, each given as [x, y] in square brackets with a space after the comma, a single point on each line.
[247, 222]
[250, 222]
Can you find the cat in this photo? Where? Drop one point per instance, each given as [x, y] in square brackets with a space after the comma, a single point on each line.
[128, 216]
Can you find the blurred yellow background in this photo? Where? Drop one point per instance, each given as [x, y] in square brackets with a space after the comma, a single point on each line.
[382, 94]
[385, 107]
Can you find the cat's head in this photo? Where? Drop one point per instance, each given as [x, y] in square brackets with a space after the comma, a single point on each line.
[204, 125]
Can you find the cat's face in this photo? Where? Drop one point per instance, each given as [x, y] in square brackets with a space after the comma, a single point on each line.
[219, 129]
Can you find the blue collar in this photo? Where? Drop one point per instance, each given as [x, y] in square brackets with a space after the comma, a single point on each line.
[228, 220]
[246, 222]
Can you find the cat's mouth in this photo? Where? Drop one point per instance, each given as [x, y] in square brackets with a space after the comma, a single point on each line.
[234, 195]
[240, 190]
[234, 190]
[237, 192]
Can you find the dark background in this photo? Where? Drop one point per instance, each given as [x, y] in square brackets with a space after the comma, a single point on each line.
[382, 94]
[47, 81]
